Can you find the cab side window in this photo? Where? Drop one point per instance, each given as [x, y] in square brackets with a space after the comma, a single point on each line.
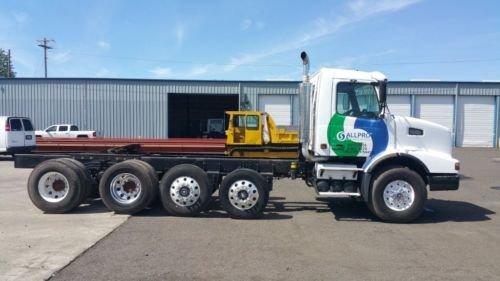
[74, 128]
[27, 125]
[63, 128]
[51, 129]
[15, 125]
[252, 122]
[239, 121]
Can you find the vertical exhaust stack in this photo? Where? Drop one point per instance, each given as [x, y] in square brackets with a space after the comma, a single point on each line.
[304, 106]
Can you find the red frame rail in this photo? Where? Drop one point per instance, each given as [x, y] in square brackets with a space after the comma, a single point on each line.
[174, 145]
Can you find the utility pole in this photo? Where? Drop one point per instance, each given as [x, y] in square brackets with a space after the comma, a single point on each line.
[44, 44]
[8, 63]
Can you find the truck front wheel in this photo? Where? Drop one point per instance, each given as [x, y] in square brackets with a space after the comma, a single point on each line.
[398, 195]
[244, 194]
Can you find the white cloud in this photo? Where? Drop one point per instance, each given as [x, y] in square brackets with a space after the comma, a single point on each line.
[20, 17]
[247, 24]
[104, 72]
[199, 70]
[356, 12]
[103, 45]
[59, 56]
[179, 33]
[354, 61]
[161, 72]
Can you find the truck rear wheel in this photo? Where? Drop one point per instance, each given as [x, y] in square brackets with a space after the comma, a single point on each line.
[244, 194]
[154, 180]
[86, 181]
[398, 195]
[185, 190]
[126, 187]
[55, 186]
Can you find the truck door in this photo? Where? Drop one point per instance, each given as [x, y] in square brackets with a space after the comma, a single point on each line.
[253, 130]
[29, 132]
[63, 131]
[356, 129]
[239, 129]
[15, 138]
[52, 131]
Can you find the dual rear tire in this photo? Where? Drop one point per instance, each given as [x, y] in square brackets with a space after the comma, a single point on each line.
[128, 187]
[59, 185]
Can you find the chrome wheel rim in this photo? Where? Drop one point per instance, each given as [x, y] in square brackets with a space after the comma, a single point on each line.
[243, 195]
[185, 191]
[53, 187]
[399, 195]
[125, 188]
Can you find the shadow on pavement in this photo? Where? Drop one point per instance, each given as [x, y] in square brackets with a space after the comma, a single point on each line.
[91, 206]
[214, 210]
[6, 159]
[464, 177]
[436, 210]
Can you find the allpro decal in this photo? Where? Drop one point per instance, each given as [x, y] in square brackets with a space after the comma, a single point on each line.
[350, 136]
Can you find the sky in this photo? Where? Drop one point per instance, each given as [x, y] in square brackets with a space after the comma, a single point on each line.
[455, 40]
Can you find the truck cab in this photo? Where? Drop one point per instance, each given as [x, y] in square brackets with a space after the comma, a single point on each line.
[357, 148]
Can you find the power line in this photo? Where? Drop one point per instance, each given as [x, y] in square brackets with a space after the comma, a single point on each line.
[439, 61]
[44, 44]
[285, 65]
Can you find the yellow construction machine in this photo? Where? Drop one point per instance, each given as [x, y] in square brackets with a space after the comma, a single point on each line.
[255, 134]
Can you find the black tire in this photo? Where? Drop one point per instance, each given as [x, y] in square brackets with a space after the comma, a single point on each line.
[75, 186]
[244, 175]
[154, 181]
[377, 204]
[182, 173]
[85, 177]
[143, 176]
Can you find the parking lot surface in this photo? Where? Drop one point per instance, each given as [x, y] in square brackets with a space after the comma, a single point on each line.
[302, 239]
[298, 238]
[33, 245]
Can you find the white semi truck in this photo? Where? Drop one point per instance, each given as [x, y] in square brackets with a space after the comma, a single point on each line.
[350, 146]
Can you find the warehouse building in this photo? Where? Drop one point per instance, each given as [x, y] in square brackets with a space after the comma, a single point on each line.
[181, 108]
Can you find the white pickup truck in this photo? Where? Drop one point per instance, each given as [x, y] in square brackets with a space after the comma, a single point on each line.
[65, 131]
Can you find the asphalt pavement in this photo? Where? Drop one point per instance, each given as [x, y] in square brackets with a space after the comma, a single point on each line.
[300, 238]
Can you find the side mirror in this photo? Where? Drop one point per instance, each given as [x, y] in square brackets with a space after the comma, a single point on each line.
[383, 92]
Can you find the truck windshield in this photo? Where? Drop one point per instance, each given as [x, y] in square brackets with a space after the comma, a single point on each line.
[357, 100]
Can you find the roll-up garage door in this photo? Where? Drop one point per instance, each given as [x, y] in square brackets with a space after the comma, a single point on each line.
[399, 105]
[437, 109]
[278, 106]
[476, 121]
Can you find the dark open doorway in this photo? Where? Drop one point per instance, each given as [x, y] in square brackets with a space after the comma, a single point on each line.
[188, 113]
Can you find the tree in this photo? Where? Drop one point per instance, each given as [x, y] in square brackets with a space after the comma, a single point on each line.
[4, 65]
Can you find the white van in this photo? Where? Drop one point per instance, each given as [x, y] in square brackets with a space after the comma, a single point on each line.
[17, 135]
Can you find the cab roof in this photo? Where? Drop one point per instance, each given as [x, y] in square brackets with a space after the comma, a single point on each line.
[350, 74]
[244, 112]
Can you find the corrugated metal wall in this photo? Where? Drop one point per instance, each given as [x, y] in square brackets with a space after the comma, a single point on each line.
[486, 92]
[116, 107]
[138, 108]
